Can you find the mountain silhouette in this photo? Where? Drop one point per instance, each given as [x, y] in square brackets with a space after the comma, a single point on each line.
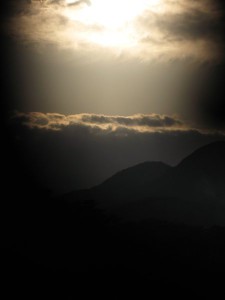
[193, 192]
[129, 227]
[205, 169]
[129, 184]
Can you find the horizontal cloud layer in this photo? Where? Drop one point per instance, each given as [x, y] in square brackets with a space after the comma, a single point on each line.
[140, 123]
[78, 151]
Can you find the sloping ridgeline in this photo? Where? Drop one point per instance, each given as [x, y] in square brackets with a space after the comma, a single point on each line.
[148, 228]
[192, 193]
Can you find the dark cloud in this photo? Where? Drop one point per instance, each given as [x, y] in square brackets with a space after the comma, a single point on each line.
[138, 122]
[152, 120]
[193, 25]
[186, 23]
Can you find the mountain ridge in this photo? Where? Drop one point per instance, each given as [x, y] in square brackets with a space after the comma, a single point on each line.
[191, 192]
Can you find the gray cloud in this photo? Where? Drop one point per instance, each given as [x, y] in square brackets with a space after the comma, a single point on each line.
[152, 120]
[193, 25]
[112, 124]
[196, 27]
[138, 122]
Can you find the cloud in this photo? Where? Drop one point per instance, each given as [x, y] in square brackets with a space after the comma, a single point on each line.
[173, 30]
[193, 29]
[106, 124]
[138, 122]
[70, 152]
[75, 3]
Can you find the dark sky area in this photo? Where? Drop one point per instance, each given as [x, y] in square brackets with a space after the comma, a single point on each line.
[84, 96]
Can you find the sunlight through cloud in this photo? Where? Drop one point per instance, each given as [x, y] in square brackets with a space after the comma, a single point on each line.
[144, 30]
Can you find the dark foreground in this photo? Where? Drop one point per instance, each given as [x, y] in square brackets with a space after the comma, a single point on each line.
[59, 249]
[56, 250]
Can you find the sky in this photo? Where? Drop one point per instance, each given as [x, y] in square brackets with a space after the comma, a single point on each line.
[92, 87]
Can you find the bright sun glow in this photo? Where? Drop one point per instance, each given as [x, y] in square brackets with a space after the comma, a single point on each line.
[114, 19]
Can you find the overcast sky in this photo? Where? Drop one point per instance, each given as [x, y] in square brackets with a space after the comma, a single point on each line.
[112, 83]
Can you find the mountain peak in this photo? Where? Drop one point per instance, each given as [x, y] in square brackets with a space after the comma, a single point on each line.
[210, 159]
[192, 192]
[132, 182]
